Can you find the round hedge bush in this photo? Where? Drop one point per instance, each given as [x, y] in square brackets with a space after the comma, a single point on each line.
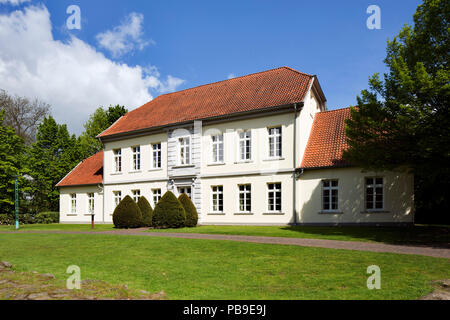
[169, 213]
[189, 208]
[146, 210]
[127, 214]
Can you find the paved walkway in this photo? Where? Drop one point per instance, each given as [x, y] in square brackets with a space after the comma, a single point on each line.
[431, 251]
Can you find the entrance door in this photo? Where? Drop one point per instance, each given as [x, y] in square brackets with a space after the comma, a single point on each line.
[186, 190]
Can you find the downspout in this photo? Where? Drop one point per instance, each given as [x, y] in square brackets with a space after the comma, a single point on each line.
[294, 177]
[103, 182]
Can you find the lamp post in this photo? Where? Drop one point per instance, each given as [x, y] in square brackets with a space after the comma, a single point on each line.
[16, 201]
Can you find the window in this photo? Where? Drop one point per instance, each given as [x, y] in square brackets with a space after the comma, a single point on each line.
[245, 145]
[330, 195]
[73, 201]
[217, 199]
[136, 158]
[117, 197]
[186, 190]
[136, 195]
[245, 198]
[275, 142]
[91, 203]
[374, 194]
[156, 196]
[185, 150]
[118, 160]
[274, 197]
[156, 155]
[217, 148]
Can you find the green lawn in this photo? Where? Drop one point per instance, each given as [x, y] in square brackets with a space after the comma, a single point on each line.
[59, 227]
[211, 269]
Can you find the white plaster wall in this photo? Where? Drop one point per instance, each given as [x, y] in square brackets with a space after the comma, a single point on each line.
[82, 215]
[398, 197]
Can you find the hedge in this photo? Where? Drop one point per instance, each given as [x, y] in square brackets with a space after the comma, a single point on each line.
[169, 212]
[189, 208]
[127, 214]
[147, 212]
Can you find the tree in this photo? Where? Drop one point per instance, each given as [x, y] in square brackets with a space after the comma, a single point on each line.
[127, 214]
[23, 115]
[146, 210]
[189, 208]
[11, 164]
[169, 212]
[51, 157]
[403, 121]
[98, 122]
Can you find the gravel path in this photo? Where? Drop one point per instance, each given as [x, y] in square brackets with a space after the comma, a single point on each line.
[425, 250]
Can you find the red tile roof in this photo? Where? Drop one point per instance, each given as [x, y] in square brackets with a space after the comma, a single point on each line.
[327, 140]
[265, 89]
[88, 172]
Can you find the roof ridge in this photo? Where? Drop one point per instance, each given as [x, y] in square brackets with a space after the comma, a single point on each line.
[235, 78]
[335, 110]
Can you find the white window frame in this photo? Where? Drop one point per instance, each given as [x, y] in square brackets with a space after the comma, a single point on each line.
[242, 145]
[136, 195]
[189, 194]
[330, 188]
[273, 141]
[247, 197]
[217, 148]
[117, 198]
[156, 196]
[91, 203]
[273, 192]
[157, 155]
[136, 158]
[117, 160]
[73, 203]
[374, 185]
[217, 193]
[182, 146]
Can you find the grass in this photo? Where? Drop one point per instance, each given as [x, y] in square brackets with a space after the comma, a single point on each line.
[210, 269]
[418, 234]
[59, 227]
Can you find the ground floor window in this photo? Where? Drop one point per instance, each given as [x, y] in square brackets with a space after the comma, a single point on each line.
[136, 195]
[217, 199]
[91, 203]
[374, 194]
[330, 195]
[186, 190]
[117, 197]
[274, 197]
[156, 196]
[245, 198]
[73, 200]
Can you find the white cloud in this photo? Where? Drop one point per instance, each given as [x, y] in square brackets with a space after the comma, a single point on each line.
[13, 2]
[124, 38]
[72, 76]
[231, 76]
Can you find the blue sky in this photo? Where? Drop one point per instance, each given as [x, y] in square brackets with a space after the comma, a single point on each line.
[198, 42]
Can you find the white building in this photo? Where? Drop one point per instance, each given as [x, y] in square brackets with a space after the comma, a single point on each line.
[261, 149]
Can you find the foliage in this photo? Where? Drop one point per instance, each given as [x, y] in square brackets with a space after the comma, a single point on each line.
[169, 212]
[189, 208]
[47, 217]
[146, 210]
[403, 121]
[127, 214]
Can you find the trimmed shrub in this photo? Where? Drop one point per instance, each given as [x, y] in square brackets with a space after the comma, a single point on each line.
[47, 217]
[189, 208]
[147, 212]
[169, 212]
[127, 214]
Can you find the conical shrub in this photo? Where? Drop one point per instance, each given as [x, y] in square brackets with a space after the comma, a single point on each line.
[169, 213]
[189, 208]
[127, 214]
[146, 210]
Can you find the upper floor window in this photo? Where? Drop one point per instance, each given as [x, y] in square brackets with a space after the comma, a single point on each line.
[245, 145]
[136, 195]
[245, 198]
[374, 194]
[185, 150]
[217, 199]
[117, 197]
[217, 148]
[91, 203]
[117, 160]
[274, 197]
[330, 195]
[156, 196]
[73, 201]
[156, 155]
[275, 142]
[136, 158]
